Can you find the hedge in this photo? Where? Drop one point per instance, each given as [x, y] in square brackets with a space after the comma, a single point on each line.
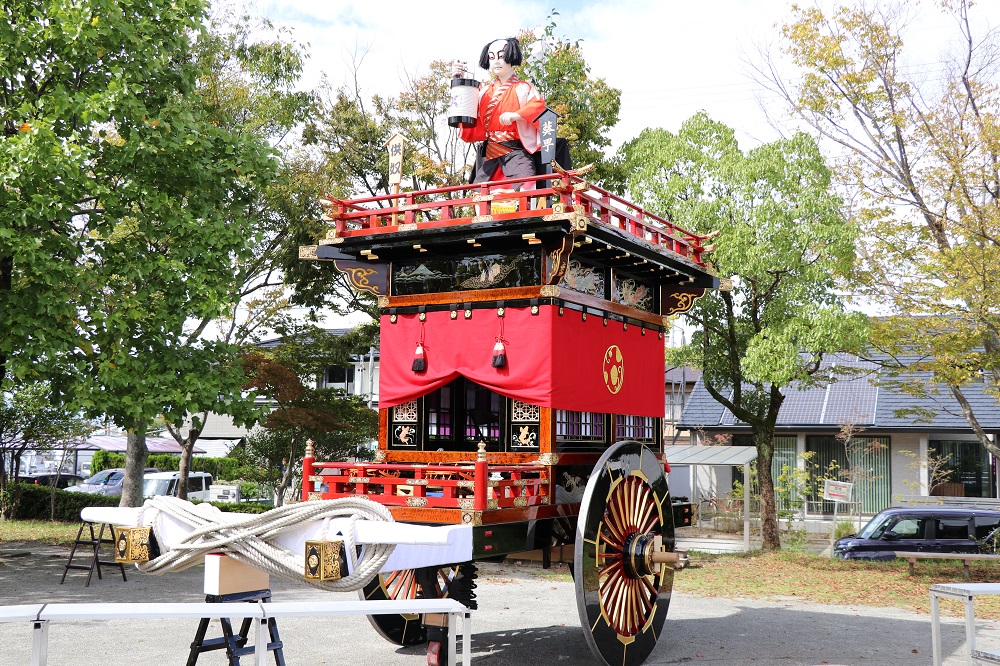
[35, 502]
[219, 468]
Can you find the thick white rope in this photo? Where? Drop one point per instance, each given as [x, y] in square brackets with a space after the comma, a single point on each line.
[248, 538]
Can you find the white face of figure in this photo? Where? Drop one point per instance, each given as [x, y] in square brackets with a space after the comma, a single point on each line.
[499, 66]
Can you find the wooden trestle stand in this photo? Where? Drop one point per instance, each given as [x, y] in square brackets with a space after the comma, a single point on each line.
[230, 581]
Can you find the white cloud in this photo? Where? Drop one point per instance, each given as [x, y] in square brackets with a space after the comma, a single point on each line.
[670, 59]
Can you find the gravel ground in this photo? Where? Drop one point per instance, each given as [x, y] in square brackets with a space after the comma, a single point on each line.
[526, 616]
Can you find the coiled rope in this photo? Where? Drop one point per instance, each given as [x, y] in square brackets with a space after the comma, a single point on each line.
[249, 538]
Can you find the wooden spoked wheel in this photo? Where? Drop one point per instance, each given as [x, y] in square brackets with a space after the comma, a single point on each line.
[621, 600]
[403, 629]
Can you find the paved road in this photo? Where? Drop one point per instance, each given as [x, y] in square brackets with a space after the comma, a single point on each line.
[526, 616]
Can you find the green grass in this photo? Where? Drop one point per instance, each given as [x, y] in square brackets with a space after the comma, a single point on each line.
[40, 531]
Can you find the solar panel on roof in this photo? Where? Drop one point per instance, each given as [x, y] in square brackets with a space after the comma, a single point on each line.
[850, 401]
[802, 406]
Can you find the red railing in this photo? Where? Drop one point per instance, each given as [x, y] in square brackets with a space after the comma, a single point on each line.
[433, 486]
[465, 204]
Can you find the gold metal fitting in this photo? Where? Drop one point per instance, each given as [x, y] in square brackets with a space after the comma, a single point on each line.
[132, 544]
[323, 560]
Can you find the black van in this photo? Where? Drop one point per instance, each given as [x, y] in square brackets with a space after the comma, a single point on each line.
[922, 529]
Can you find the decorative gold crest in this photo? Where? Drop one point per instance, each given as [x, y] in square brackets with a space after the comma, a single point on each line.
[614, 369]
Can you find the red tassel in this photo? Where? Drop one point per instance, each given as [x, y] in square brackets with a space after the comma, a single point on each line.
[419, 360]
[499, 355]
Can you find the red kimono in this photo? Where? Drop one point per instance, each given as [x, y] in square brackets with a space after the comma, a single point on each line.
[517, 96]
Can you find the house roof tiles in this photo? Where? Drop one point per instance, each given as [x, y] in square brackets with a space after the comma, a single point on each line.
[869, 398]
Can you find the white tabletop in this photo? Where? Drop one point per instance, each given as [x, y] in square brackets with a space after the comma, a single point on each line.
[359, 607]
[24, 613]
[967, 589]
[110, 611]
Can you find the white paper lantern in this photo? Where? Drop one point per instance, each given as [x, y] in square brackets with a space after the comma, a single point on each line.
[464, 105]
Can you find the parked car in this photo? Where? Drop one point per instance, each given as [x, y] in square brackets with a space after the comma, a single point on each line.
[165, 483]
[106, 482]
[48, 478]
[924, 529]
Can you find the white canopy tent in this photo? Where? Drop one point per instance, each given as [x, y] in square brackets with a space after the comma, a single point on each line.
[722, 456]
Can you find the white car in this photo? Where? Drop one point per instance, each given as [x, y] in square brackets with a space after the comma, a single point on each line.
[165, 483]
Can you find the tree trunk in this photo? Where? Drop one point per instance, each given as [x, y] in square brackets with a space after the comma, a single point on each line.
[6, 284]
[136, 455]
[286, 477]
[764, 441]
[187, 452]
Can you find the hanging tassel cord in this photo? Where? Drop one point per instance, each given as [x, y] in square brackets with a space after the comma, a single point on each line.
[420, 355]
[500, 349]
[249, 538]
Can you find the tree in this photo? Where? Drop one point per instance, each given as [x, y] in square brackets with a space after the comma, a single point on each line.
[338, 424]
[30, 421]
[782, 241]
[921, 157]
[588, 107]
[248, 86]
[77, 81]
[124, 201]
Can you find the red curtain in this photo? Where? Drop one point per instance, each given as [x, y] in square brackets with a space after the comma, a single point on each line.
[553, 360]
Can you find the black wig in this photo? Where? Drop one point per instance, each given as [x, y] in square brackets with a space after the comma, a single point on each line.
[511, 53]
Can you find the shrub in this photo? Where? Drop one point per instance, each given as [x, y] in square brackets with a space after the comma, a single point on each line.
[35, 502]
[241, 507]
[219, 468]
[843, 528]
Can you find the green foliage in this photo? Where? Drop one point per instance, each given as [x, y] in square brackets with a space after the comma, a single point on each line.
[844, 528]
[220, 468]
[103, 460]
[588, 107]
[33, 503]
[789, 490]
[339, 425]
[795, 541]
[784, 244]
[29, 419]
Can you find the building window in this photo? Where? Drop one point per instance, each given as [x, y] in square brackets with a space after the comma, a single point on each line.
[966, 469]
[439, 413]
[461, 414]
[338, 375]
[639, 428]
[579, 426]
[865, 464]
[482, 413]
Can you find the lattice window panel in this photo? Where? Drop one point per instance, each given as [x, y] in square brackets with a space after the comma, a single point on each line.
[405, 413]
[523, 412]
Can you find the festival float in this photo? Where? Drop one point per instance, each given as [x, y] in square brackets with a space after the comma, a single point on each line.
[521, 390]
[521, 368]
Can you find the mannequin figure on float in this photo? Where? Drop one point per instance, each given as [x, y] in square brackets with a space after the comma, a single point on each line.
[507, 116]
